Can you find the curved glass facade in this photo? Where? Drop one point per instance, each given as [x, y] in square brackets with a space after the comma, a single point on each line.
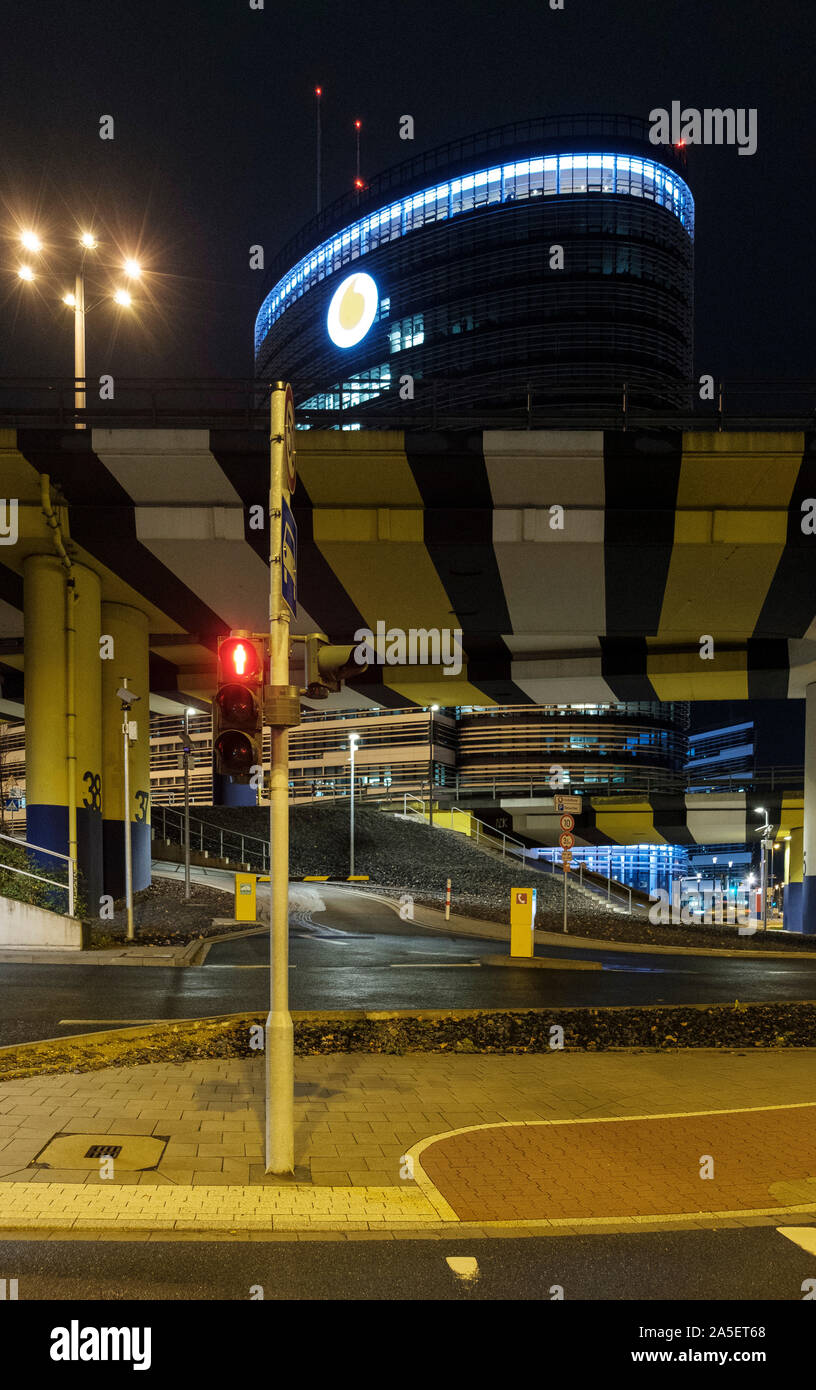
[554, 176]
[552, 258]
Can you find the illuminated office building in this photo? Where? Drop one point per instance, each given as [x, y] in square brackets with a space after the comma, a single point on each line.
[551, 258]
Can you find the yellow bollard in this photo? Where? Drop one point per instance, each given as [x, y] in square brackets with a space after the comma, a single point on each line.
[246, 897]
[522, 921]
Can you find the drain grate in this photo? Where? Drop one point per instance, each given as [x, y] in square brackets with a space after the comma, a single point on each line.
[133, 1153]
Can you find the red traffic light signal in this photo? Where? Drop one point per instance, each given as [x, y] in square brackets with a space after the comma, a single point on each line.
[239, 658]
[238, 707]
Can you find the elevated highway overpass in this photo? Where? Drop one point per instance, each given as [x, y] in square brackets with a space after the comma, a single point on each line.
[579, 565]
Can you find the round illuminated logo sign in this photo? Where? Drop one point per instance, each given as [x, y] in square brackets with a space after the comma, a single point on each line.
[352, 310]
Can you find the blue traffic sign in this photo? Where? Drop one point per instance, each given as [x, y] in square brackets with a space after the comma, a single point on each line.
[288, 558]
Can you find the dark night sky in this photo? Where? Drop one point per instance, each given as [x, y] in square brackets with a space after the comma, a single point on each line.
[214, 147]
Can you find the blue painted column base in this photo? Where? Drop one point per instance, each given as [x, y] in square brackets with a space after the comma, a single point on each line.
[113, 843]
[48, 826]
[89, 859]
[793, 907]
[808, 926]
[227, 793]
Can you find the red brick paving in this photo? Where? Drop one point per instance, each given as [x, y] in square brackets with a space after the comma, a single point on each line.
[614, 1168]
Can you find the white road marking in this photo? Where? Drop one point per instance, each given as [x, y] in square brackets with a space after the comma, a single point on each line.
[432, 965]
[804, 1236]
[464, 1267]
[123, 1022]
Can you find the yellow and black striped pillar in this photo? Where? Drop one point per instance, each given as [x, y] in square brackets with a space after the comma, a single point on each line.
[809, 834]
[126, 656]
[55, 597]
[87, 591]
[46, 725]
[794, 861]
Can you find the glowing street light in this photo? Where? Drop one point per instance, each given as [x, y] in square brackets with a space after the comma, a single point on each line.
[81, 243]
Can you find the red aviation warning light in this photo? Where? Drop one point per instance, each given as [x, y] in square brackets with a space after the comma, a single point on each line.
[238, 707]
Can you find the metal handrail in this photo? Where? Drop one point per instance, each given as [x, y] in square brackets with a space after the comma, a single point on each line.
[492, 833]
[210, 835]
[243, 404]
[41, 878]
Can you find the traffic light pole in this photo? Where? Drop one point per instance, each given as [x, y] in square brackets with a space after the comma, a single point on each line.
[280, 1068]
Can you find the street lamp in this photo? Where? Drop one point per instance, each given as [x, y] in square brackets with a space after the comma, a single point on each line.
[127, 698]
[75, 299]
[765, 832]
[353, 741]
[187, 750]
[433, 710]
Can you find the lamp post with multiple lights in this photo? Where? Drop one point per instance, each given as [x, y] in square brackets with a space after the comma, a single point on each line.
[75, 299]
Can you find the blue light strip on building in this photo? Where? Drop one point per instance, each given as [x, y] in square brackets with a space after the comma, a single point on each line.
[553, 176]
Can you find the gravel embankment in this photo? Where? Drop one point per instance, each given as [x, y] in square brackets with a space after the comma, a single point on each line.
[161, 917]
[404, 855]
[656, 1028]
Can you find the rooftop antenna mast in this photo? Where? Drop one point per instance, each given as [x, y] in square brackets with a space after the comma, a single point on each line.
[358, 182]
[318, 94]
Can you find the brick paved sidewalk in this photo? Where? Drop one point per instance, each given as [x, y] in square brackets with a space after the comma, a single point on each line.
[357, 1117]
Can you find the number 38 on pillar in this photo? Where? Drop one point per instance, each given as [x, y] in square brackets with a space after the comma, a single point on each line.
[238, 706]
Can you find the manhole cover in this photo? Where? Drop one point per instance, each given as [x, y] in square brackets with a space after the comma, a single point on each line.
[132, 1153]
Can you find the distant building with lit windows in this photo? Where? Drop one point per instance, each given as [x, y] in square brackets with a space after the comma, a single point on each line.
[446, 271]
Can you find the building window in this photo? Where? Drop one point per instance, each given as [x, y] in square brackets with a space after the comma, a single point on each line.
[409, 332]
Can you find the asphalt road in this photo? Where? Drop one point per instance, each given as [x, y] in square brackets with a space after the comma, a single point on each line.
[746, 1265]
[357, 953]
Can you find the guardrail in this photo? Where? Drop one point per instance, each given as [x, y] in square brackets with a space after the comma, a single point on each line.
[69, 887]
[221, 403]
[217, 841]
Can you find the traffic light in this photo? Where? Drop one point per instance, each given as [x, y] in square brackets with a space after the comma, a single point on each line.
[327, 666]
[238, 706]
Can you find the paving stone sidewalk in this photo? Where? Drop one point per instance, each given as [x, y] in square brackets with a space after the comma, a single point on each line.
[357, 1118]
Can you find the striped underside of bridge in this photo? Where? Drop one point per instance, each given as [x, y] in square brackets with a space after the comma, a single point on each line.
[580, 566]
[704, 818]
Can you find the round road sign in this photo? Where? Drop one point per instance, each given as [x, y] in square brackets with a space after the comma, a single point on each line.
[566, 841]
[289, 438]
[567, 822]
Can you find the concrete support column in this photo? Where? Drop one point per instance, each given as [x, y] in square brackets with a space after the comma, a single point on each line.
[49, 590]
[793, 879]
[127, 629]
[809, 847]
[46, 726]
[228, 793]
[88, 726]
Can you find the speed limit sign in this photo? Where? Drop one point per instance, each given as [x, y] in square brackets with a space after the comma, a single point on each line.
[567, 822]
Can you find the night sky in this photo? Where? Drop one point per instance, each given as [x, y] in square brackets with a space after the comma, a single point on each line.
[214, 152]
[214, 147]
